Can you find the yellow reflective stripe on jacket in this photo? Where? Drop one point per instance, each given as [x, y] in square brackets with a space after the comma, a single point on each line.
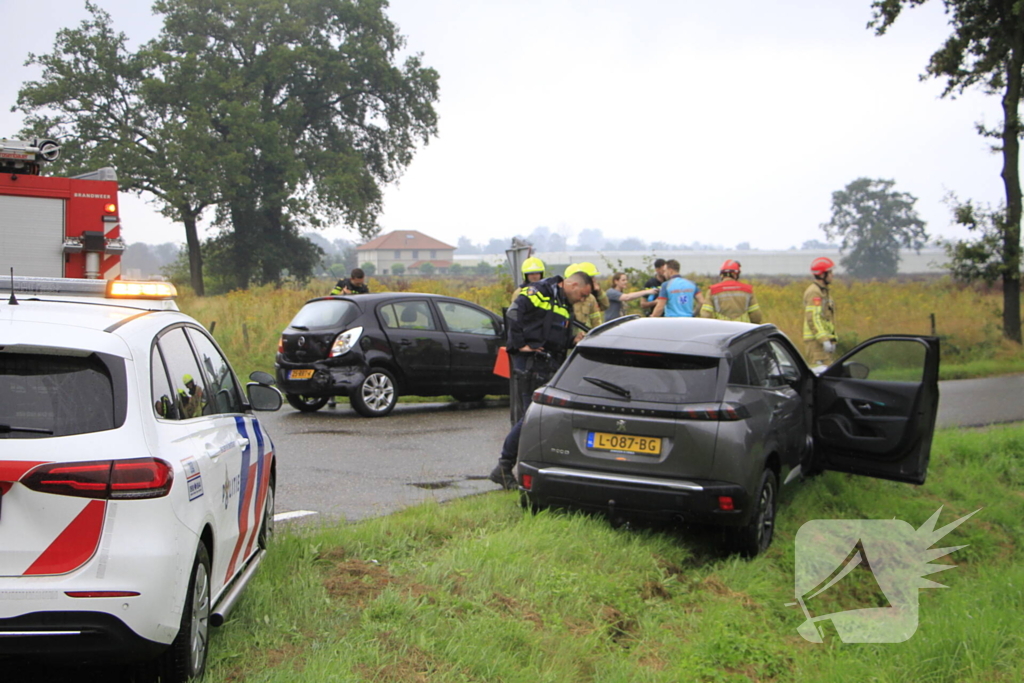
[545, 303]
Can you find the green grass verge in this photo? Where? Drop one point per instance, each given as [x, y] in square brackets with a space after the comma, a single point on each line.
[478, 590]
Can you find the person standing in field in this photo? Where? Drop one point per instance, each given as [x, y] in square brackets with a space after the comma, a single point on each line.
[820, 315]
[617, 296]
[533, 270]
[647, 306]
[355, 283]
[588, 311]
[731, 299]
[678, 297]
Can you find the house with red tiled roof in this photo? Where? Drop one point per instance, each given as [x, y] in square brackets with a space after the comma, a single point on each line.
[411, 248]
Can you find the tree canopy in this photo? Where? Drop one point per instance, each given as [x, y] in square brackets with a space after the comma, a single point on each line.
[283, 114]
[985, 50]
[872, 221]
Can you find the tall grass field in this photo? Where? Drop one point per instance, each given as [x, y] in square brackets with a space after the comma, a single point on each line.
[248, 323]
[480, 590]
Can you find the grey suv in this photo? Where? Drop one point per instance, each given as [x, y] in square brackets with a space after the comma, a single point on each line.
[700, 420]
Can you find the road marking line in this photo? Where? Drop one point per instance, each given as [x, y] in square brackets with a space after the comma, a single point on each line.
[284, 516]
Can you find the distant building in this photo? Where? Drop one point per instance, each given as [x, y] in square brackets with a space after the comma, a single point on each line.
[411, 248]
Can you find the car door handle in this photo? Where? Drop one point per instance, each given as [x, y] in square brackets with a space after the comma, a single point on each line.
[405, 342]
[462, 345]
[214, 452]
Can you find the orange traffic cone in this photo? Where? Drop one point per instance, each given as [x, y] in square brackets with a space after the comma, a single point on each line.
[501, 368]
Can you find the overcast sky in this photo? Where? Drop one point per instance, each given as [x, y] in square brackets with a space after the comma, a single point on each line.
[678, 121]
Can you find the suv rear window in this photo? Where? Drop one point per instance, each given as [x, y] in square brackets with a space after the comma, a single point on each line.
[656, 377]
[44, 395]
[325, 313]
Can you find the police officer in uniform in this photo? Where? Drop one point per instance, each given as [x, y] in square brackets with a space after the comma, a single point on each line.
[539, 333]
[355, 283]
[820, 315]
[731, 299]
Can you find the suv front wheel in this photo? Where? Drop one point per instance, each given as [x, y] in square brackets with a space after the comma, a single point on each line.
[376, 395]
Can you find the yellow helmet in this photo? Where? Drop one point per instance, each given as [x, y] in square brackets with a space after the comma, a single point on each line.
[588, 268]
[533, 265]
[570, 269]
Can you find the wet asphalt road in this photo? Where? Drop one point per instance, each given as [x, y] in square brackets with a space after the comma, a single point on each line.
[341, 466]
[345, 467]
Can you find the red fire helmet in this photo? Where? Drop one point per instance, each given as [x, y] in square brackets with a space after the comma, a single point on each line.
[730, 266]
[821, 265]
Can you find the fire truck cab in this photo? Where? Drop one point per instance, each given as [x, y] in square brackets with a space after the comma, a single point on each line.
[54, 226]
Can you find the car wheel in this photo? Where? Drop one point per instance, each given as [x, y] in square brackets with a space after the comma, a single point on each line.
[185, 659]
[307, 404]
[267, 528]
[756, 536]
[376, 395]
[469, 397]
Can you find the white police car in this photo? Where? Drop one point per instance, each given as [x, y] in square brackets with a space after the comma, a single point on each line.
[136, 485]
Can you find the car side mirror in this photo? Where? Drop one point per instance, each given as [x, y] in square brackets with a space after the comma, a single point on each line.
[262, 396]
[855, 370]
[262, 377]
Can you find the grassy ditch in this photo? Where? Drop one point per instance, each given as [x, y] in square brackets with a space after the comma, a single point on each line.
[478, 590]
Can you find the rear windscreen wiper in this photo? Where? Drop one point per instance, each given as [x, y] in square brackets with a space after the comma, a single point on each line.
[5, 429]
[605, 384]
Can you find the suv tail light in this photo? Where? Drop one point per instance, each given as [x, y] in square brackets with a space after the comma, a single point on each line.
[717, 412]
[103, 479]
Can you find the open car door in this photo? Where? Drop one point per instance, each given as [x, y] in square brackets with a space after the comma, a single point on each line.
[874, 409]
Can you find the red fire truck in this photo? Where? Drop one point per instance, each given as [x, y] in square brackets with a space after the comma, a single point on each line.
[52, 226]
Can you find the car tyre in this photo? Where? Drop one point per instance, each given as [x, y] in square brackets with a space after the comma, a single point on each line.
[756, 536]
[376, 395]
[185, 659]
[307, 404]
[267, 528]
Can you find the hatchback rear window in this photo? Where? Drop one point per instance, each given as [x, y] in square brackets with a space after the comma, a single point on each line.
[325, 313]
[640, 376]
[44, 395]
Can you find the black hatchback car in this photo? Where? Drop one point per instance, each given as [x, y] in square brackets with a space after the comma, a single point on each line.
[375, 347]
[700, 420]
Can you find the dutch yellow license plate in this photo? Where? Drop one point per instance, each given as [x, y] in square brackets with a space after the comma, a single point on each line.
[300, 374]
[624, 443]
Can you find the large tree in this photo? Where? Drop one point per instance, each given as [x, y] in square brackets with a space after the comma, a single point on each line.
[307, 108]
[872, 221]
[985, 50]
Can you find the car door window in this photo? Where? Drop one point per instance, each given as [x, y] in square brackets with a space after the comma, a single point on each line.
[891, 360]
[764, 368]
[164, 404]
[414, 315]
[787, 366]
[188, 390]
[224, 396]
[388, 316]
[462, 318]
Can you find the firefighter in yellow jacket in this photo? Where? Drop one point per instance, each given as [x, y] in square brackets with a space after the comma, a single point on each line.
[589, 311]
[820, 315]
[731, 299]
[533, 270]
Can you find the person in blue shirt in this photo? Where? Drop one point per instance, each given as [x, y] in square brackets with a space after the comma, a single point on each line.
[678, 297]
